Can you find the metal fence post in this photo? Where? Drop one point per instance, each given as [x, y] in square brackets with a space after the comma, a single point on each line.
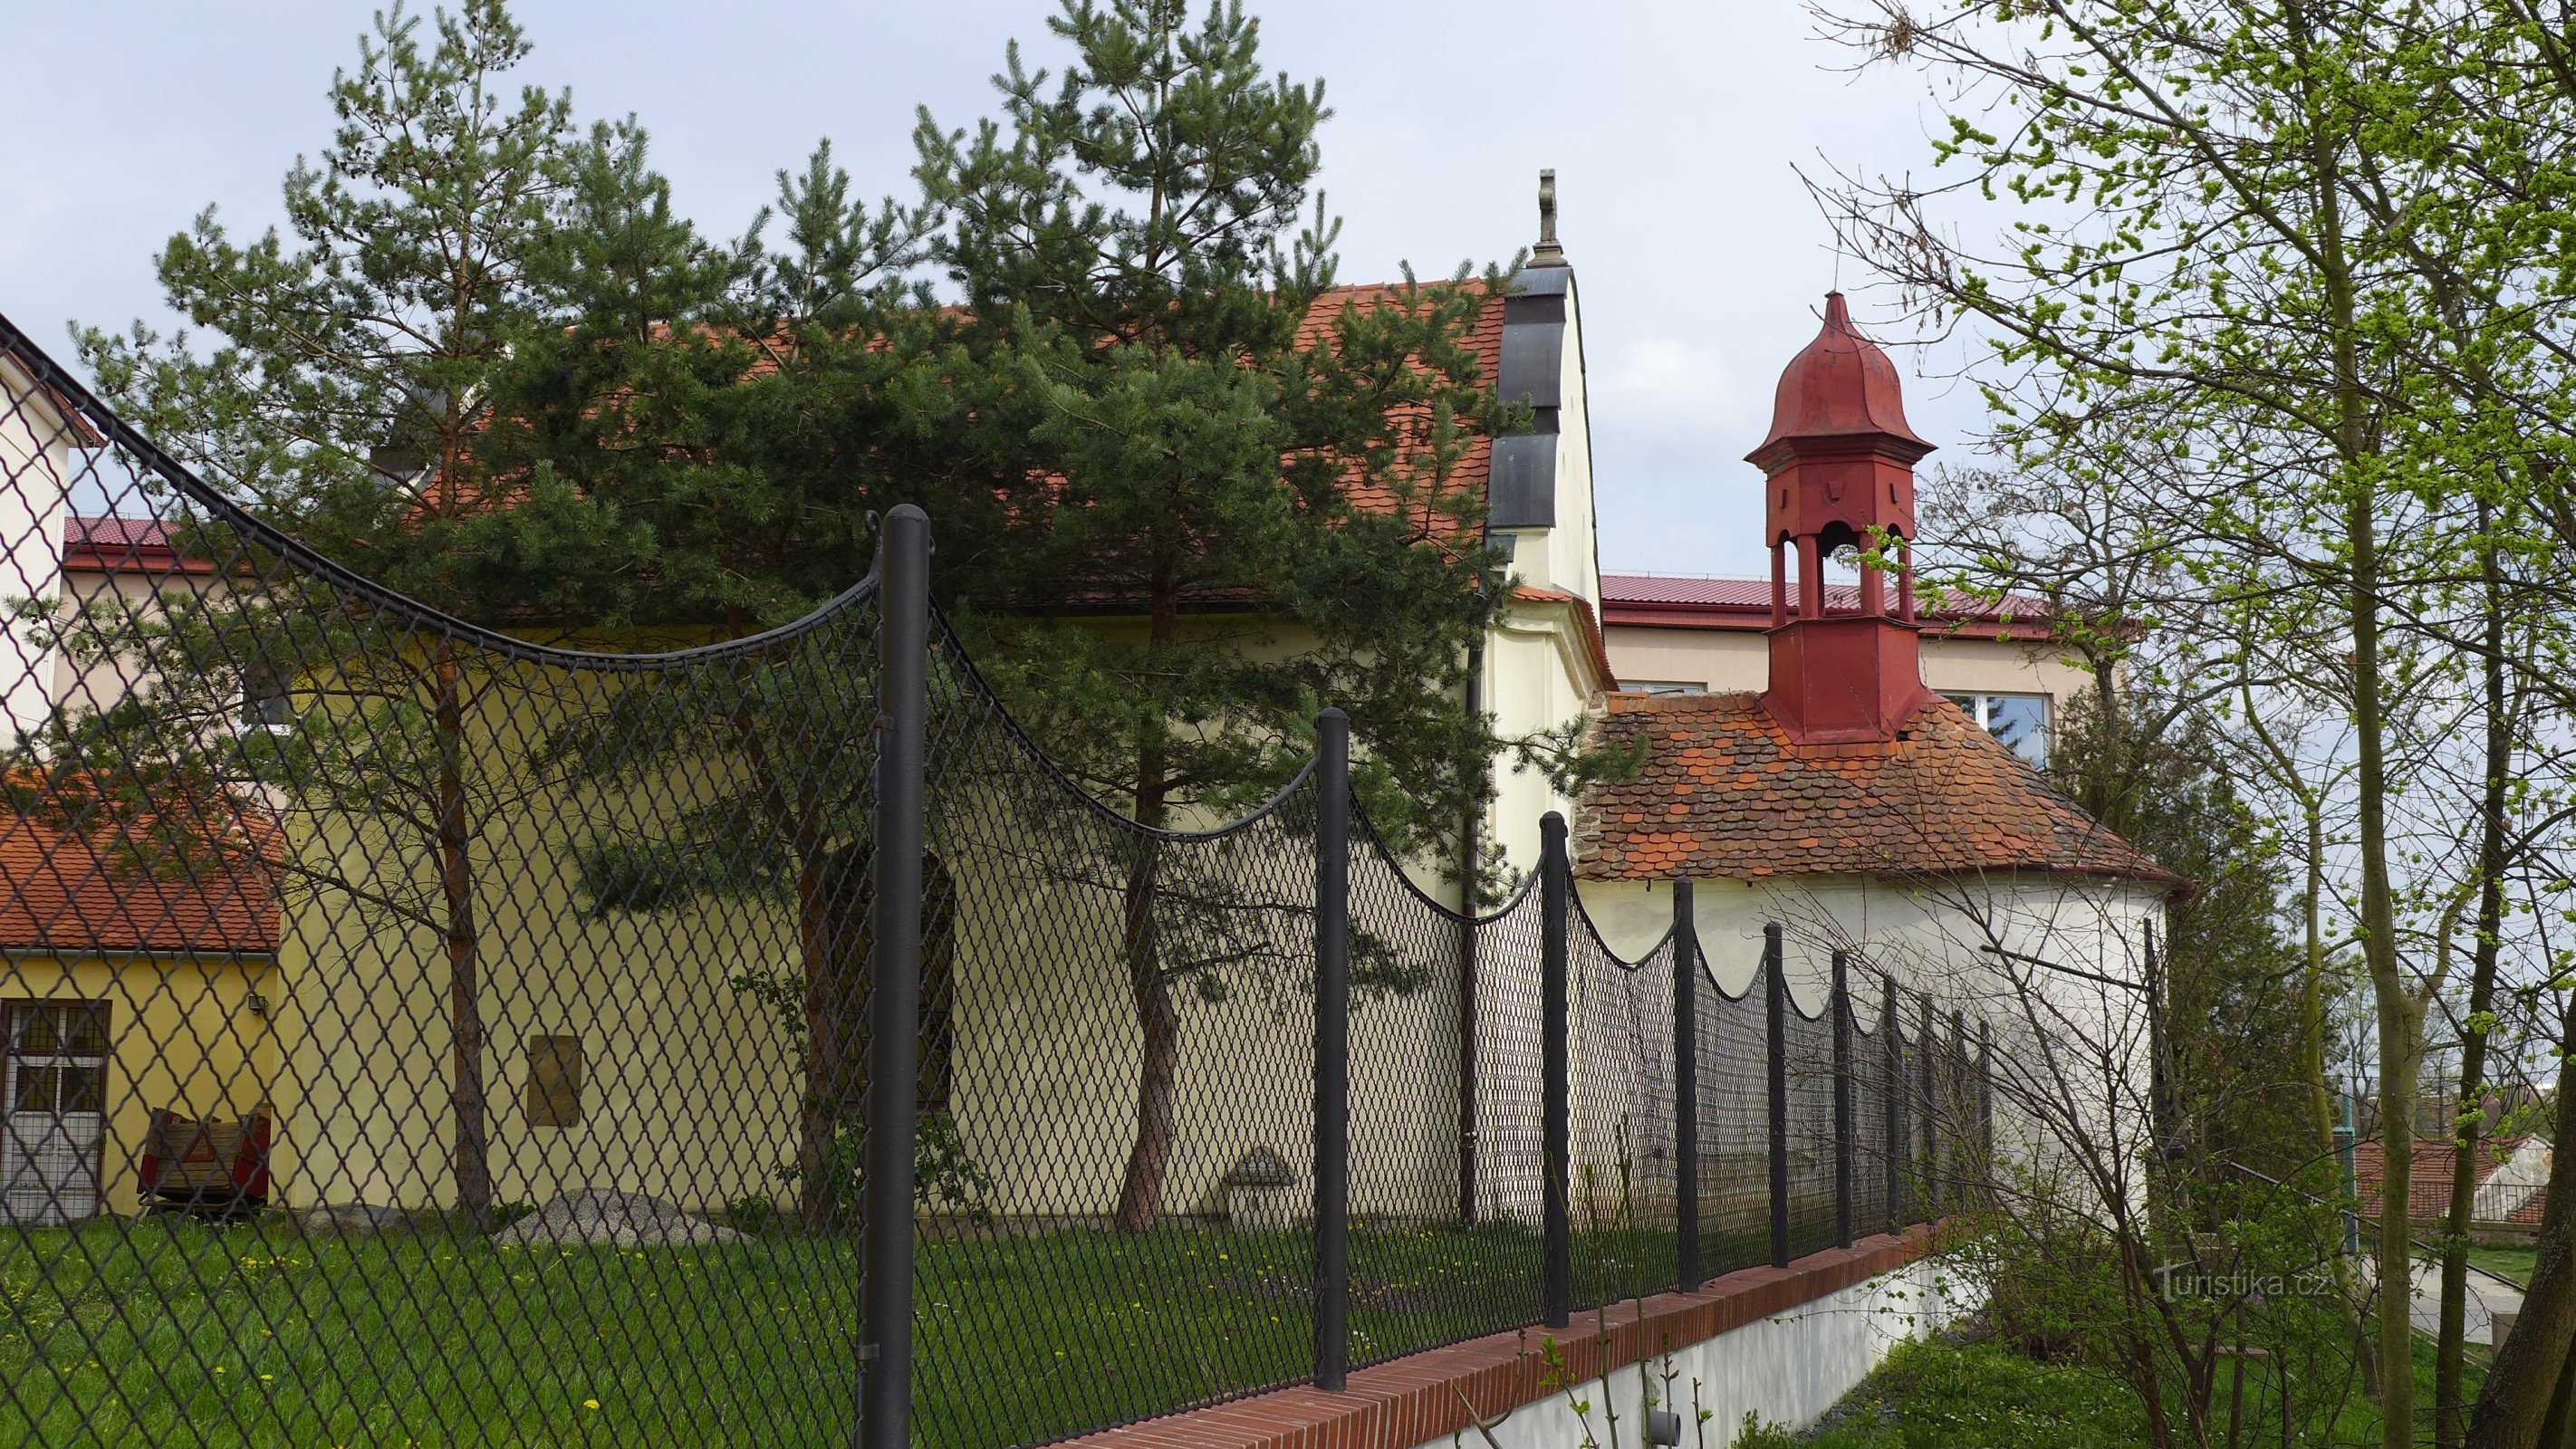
[1333, 1051]
[1556, 1292]
[1685, 1087]
[1468, 1070]
[1927, 1168]
[1843, 1184]
[1986, 1103]
[1891, 1029]
[1776, 1002]
[903, 664]
[1963, 1134]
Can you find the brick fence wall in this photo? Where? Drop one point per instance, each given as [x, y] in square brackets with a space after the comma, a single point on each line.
[1429, 1397]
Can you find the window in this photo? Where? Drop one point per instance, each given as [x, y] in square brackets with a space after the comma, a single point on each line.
[1663, 686]
[2019, 720]
[53, 1090]
[554, 1081]
[57, 1056]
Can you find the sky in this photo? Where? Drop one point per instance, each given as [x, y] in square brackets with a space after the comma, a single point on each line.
[1678, 132]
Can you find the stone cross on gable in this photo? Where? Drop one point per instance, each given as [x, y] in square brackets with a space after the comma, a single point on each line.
[1547, 253]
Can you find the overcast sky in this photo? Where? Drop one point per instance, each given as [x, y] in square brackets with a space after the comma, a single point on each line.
[1675, 130]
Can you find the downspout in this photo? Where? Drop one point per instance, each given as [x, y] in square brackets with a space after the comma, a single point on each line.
[1468, 845]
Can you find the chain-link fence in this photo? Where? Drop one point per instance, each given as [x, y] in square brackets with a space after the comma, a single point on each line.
[424, 1032]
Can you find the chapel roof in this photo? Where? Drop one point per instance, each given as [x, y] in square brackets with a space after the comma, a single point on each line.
[75, 428]
[1589, 625]
[1841, 385]
[1725, 793]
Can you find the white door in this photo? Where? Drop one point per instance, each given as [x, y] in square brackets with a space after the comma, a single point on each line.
[53, 1082]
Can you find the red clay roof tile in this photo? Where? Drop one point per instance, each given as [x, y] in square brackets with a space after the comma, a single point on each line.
[70, 891]
[2428, 1185]
[1724, 793]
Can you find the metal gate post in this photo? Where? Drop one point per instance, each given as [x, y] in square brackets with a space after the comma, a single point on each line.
[1776, 1000]
[1685, 1087]
[903, 672]
[1333, 1051]
[1841, 1007]
[1556, 1292]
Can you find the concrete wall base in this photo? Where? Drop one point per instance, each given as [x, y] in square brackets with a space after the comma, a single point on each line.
[1789, 1368]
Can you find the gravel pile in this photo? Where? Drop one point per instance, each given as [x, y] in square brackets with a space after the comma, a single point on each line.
[604, 1217]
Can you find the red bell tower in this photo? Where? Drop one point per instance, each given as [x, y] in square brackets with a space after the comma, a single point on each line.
[1838, 464]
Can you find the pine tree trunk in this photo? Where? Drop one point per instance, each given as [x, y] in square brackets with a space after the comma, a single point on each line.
[1158, 1022]
[472, 1164]
[2525, 1375]
[835, 897]
[819, 1111]
[1158, 1018]
[2492, 823]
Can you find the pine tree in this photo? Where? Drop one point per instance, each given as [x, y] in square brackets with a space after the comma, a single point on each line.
[1134, 271]
[749, 412]
[346, 399]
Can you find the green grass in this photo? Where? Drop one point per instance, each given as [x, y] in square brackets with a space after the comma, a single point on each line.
[2514, 1263]
[163, 1330]
[1953, 1394]
[1944, 1394]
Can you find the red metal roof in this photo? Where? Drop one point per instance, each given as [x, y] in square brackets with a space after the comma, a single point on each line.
[1726, 793]
[126, 545]
[1664, 602]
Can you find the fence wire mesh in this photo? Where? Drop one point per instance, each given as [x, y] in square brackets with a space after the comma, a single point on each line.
[1623, 1193]
[1811, 1074]
[420, 1031]
[416, 1031]
[1115, 1169]
[1734, 1119]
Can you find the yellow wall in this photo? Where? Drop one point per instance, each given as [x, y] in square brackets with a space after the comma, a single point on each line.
[689, 1092]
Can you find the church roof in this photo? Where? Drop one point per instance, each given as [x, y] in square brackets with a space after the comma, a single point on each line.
[1724, 793]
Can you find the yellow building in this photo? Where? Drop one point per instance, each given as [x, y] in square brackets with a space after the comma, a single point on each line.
[124, 994]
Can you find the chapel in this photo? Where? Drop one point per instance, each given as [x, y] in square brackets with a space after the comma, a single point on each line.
[1863, 811]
